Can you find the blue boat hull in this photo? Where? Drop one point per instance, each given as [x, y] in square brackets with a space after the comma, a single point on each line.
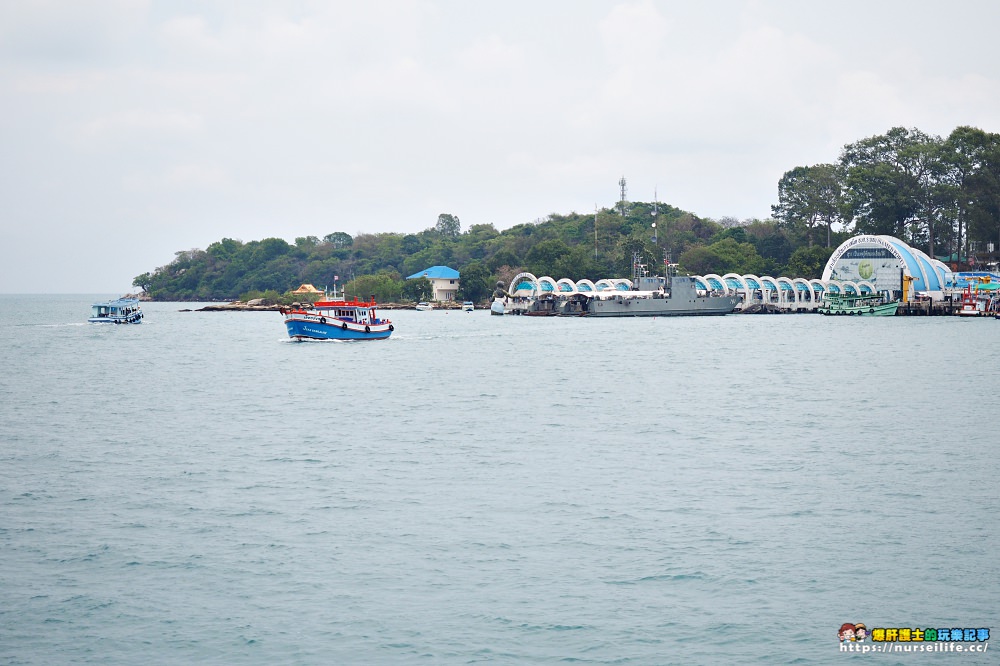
[313, 330]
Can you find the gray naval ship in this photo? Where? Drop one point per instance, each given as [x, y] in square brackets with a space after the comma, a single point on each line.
[656, 296]
[649, 296]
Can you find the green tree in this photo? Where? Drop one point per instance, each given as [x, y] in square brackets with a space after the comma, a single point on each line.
[417, 289]
[810, 197]
[474, 284]
[808, 262]
[701, 260]
[504, 257]
[143, 281]
[725, 256]
[541, 259]
[896, 183]
[384, 286]
[338, 239]
[448, 225]
[225, 249]
[975, 158]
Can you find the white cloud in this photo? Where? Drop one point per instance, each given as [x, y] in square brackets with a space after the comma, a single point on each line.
[256, 118]
[143, 122]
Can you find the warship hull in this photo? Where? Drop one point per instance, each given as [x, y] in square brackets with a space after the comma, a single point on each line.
[634, 305]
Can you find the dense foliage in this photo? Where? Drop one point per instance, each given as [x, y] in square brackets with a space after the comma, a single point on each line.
[937, 194]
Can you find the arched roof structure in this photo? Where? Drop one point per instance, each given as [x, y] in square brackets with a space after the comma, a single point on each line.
[716, 282]
[878, 260]
[524, 284]
[795, 293]
[566, 286]
[547, 285]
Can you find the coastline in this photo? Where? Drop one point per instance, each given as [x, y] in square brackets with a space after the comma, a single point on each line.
[241, 306]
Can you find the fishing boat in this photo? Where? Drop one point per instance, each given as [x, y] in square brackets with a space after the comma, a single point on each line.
[337, 319]
[979, 300]
[867, 305]
[424, 306]
[468, 306]
[118, 311]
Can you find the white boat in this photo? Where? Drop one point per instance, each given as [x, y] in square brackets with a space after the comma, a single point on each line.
[424, 306]
[118, 311]
[468, 306]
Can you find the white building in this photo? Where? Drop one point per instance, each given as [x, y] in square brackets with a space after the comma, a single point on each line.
[444, 282]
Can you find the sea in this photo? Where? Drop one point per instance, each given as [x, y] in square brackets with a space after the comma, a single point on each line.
[200, 489]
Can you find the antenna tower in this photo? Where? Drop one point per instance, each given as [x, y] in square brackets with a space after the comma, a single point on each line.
[623, 202]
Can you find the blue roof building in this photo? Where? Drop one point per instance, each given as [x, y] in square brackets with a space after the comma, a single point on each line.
[444, 282]
[436, 273]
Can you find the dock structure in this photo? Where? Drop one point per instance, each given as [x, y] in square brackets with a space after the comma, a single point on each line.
[865, 265]
[760, 294]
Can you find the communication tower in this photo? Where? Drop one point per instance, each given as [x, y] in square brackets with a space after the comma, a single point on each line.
[623, 202]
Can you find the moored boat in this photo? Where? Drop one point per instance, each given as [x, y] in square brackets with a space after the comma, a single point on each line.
[468, 306]
[672, 296]
[424, 306]
[337, 319]
[976, 303]
[118, 311]
[867, 305]
[668, 295]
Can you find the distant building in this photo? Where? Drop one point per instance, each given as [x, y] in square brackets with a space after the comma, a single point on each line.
[307, 289]
[444, 282]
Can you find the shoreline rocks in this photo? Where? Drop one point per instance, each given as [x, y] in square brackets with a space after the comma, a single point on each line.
[256, 305]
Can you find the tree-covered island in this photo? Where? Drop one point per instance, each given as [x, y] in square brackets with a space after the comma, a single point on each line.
[941, 195]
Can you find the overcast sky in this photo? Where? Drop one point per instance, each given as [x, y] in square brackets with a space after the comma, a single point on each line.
[130, 129]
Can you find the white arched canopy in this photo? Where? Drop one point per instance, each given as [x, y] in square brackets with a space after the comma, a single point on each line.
[525, 283]
[566, 286]
[712, 279]
[547, 285]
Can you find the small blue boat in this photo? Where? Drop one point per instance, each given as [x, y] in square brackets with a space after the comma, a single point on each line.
[118, 311]
[337, 319]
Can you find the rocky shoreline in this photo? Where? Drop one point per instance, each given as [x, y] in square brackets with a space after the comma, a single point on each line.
[256, 305]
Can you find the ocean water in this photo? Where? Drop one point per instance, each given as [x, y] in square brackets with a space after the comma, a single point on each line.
[200, 489]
